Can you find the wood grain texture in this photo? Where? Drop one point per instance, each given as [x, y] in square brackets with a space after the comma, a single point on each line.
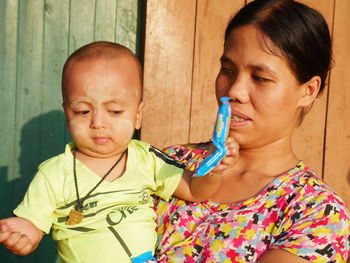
[105, 20]
[211, 21]
[8, 67]
[56, 30]
[28, 91]
[168, 71]
[337, 155]
[126, 23]
[29, 87]
[81, 27]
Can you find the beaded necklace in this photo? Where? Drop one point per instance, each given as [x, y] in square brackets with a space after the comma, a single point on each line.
[76, 215]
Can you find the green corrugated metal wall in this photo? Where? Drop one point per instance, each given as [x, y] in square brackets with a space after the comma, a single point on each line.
[36, 36]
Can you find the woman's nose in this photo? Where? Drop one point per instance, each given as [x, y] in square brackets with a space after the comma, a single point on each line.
[238, 90]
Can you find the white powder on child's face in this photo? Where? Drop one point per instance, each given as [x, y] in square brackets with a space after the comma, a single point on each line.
[125, 129]
[76, 127]
[104, 94]
[120, 130]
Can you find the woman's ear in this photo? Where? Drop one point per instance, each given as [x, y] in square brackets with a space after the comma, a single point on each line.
[310, 91]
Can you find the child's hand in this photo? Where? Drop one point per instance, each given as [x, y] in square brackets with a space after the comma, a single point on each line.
[230, 159]
[200, 188]
[19, 235]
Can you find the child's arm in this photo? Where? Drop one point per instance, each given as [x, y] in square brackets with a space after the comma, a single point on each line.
[19, 235]
[200, 188]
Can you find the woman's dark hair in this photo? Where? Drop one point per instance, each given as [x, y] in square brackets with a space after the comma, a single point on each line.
[299, 32]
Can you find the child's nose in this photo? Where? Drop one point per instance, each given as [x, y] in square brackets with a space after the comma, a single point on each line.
[97, 120]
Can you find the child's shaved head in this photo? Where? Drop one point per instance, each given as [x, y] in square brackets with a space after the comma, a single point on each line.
[101, 50]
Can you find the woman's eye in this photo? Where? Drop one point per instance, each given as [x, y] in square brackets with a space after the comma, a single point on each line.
[260, 79]
[226, 70]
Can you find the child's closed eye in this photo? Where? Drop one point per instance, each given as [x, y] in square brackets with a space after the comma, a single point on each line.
[83, 112]
[115, 112]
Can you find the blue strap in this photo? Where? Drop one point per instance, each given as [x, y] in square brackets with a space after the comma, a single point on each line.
[144, 258]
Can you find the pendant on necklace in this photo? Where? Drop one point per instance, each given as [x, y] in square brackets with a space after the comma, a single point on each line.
[74, 217]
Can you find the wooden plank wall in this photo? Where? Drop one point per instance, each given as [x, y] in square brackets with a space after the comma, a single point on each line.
[183, 43]
[36, 36]
[337, 149]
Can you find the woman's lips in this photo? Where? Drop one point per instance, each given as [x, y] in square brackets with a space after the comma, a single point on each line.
[238, 119]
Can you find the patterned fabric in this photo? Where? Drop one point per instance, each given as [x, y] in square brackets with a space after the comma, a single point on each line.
[296, 212]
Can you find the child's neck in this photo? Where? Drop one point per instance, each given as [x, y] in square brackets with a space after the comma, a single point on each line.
[101, 166]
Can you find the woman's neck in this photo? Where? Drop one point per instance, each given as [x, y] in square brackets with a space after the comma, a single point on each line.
[272, 159]
[254, 170]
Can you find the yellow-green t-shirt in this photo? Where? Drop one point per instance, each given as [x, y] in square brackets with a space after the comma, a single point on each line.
[118, 219]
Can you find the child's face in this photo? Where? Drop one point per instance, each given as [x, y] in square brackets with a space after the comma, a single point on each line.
[102, 104]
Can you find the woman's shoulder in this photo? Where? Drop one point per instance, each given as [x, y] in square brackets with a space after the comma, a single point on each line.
[313, 215]
[305, 196]
[302, 185]
[302, 180]
[189, 154]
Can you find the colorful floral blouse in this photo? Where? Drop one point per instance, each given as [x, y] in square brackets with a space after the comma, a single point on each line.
[296, 212]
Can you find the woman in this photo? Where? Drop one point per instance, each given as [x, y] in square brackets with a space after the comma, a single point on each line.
[270, 207]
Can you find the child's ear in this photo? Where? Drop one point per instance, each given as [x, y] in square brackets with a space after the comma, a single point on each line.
[64, 109]
[310, 91]
[139, 115]
[65, 114]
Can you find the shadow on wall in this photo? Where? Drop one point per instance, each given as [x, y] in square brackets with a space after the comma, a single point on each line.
[41, 138]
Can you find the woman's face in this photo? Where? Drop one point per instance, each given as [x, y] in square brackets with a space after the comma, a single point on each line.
[265, 94]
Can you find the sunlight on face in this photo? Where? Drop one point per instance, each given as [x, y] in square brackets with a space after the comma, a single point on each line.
[264, 91]
[102, 104]
[126, 128]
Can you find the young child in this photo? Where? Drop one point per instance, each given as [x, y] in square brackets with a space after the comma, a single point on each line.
[96, 196]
